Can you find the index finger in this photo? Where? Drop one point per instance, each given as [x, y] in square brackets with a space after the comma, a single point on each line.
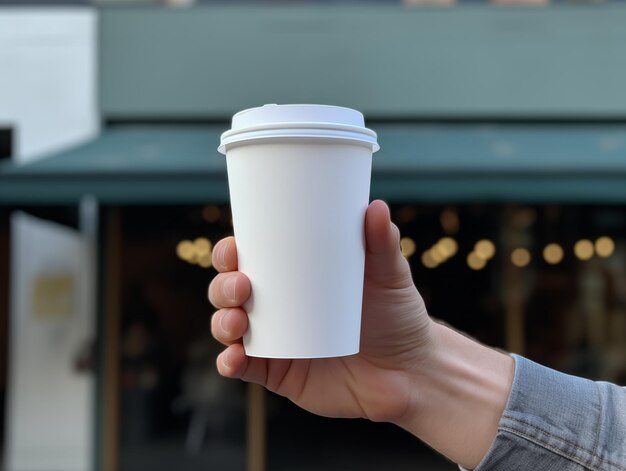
[225, 255]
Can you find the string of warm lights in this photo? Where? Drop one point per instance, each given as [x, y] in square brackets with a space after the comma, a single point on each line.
[199, 251]
[484, 250]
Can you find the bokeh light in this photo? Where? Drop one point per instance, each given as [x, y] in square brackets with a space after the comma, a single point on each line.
[407, 245]
[475, 262]
[485, 249]
[449, 220]
[211, 213]
[185, 250]
[205, 260]
[437, 256]
[428, 261]
[605, 247]
[553, 254]
[202, 245]
[583, 249]
[197, 252]
[520, 257]
[447, 246]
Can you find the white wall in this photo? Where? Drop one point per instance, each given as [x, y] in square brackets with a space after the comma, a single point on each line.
[48, 77]
[48, 95]
[50, 404]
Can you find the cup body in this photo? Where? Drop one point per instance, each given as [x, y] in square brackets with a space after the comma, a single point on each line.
[298, 204]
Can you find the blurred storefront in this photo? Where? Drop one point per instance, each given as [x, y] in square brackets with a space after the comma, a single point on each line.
[503, 155]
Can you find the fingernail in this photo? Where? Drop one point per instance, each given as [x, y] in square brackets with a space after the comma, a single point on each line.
[223, 324]
[221, 256]
[228, 288]
[225, 360]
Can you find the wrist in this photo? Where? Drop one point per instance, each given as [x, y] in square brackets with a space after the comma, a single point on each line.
[459, 393]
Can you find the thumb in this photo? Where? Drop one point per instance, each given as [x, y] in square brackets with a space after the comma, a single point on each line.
[384, 262]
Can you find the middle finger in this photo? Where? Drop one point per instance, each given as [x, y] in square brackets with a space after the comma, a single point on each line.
[229, 289]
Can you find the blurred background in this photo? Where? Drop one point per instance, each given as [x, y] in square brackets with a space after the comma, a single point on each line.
[502, 127]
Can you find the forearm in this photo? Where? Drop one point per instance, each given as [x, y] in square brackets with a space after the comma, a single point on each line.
[460, 392]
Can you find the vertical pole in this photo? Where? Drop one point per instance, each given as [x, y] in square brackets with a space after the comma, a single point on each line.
[111, 345]
[515, 333]
[88, 226]
[256, 428]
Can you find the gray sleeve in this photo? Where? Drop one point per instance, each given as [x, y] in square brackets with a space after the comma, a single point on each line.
[557, 422]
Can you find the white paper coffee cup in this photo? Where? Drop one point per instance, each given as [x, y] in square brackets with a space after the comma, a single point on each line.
[299, 178]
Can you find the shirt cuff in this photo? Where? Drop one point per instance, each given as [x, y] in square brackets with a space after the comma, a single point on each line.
[552, 421]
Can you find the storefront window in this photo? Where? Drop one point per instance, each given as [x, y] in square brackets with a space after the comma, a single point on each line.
[547, 281]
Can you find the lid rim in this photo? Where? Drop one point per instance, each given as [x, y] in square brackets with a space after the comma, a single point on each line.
[312, 121]
[302, 125]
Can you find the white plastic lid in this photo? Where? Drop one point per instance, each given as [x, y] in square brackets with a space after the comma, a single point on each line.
[293, 121]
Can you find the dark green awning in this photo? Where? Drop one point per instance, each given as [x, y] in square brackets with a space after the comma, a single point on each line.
[438, 163]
